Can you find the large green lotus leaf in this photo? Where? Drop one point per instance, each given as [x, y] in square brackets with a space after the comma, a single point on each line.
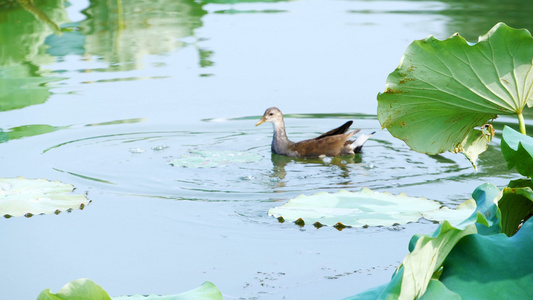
[85, 289]
[427, 257]
[516, 205]
[364, 208]
[214, 158]
[26, 197]
[492, 266]
[437, 290]
[517, 149]
[427, 253]
[443, 90]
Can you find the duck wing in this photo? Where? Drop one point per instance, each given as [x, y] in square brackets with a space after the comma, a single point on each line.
[332, 145]
[340, 130]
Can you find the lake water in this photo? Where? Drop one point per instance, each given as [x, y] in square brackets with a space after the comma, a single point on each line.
[131, 85]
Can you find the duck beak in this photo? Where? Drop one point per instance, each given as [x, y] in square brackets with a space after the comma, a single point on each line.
[261, 121]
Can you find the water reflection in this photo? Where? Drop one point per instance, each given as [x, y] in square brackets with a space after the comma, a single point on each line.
[23, 35]
[21, 53]
[38, 129]
[123, 32]
[280, 163]
[470, 18]
[21, 85]
[474, 18]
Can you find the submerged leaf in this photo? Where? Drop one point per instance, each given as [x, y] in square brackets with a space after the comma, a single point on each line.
[214, 158]
[26, 197]
[364, 208]
[517, 149]
[443, 90]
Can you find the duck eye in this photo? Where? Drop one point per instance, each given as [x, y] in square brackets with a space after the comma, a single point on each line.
[271, 114]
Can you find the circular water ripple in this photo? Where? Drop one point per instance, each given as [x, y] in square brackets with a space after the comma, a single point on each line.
[138, 164]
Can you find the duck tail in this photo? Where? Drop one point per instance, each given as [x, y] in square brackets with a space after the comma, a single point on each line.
[360, 141]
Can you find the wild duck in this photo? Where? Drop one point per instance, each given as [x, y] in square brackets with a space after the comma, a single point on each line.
[332, 143]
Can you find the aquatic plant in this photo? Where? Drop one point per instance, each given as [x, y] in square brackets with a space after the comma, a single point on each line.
[444, 94]
[434, 101]
[87, 289]
[365, 208]
[27, 197]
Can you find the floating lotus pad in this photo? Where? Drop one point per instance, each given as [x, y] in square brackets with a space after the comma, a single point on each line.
[366, 208]
[87, 289]
[26, 197]
[214, 158]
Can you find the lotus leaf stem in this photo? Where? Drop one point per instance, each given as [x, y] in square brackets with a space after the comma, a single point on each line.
[522, 123]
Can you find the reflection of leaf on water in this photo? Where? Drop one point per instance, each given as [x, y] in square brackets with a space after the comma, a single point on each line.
[39, 14]
[205, 58]
[21, 85]
[472, 18]
[27, 131]
[38, 129]
[123, 32]
[22, 49]
[22, 35]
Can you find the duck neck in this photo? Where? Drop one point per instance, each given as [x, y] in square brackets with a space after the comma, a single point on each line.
[280, 142]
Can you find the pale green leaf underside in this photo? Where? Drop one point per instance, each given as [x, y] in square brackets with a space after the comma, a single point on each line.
[20, 196]
[442, 90]
[365, 208]
[84, 289]
[207, 291]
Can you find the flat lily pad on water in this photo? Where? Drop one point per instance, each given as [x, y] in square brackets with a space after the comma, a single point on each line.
[214, 158]
[87, 289]
[366, 208]
[27, 197]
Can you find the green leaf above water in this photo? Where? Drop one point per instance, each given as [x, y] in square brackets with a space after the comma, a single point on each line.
[86, 289]
[79, 289]
[517, 149]
[491, 267]
[27, 197]
[366, 208]
[427, 253]
[207, 291]
[516, 205]
[214, 158]
[443, 90]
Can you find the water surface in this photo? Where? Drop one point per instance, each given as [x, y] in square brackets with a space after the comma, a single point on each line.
[128, 87]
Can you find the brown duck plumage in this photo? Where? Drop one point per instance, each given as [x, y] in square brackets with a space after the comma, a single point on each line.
[332, 143]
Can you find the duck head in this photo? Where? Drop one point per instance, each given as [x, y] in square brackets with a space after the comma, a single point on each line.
[272, 115]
